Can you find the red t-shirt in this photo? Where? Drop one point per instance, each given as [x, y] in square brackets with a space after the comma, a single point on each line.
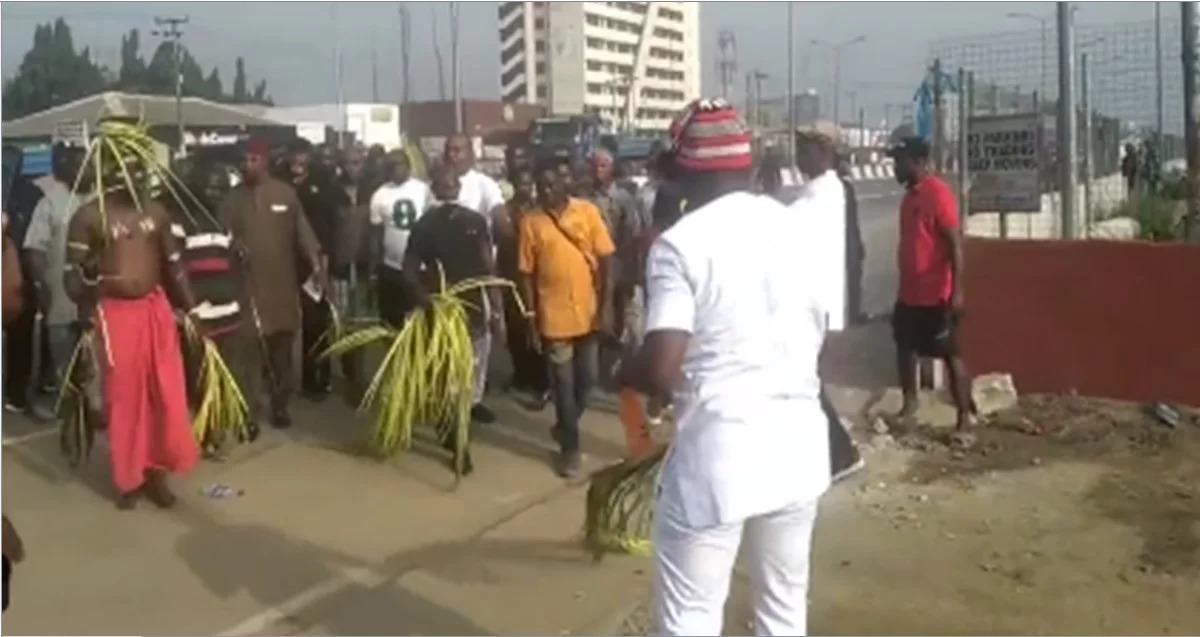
[928, 210]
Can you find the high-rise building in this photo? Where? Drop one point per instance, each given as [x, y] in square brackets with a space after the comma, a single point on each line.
[633, 63]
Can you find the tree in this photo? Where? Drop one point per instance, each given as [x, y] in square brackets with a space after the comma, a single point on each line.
[213, 89]
[51, 73]
[160, 73]
[132, 76]
[239, 82]
[260, 93]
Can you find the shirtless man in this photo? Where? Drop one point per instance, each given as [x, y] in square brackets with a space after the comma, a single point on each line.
[117, 259]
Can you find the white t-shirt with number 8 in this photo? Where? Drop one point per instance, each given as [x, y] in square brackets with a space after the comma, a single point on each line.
[397, 208]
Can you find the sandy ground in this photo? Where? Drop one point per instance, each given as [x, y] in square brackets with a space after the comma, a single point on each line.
[1068, 516]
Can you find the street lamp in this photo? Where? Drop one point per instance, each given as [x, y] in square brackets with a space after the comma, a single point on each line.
[1043, 24]
[837, 71]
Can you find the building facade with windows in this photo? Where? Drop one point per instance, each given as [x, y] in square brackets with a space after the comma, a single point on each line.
[634, 64]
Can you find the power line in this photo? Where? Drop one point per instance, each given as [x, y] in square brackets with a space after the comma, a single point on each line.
[168, 28]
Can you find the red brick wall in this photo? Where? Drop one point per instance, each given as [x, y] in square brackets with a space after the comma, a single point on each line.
[1109, 319]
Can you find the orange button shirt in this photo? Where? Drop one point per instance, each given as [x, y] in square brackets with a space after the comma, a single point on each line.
[562, 268]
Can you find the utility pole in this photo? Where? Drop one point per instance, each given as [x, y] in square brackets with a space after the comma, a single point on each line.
[750, 114]
[374, 72]
[343, 120]
[456, 69]
[1044, 27]
[437, 55]
[1085, 102]
[759, 76]
[1068, 151]
[726, 61]
[1191, 132]
[405, 84]
[791, 86]
[837, 72]
[169, 29]
[1158, 79]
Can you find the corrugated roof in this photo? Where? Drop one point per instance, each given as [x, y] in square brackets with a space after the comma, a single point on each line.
[152, 109]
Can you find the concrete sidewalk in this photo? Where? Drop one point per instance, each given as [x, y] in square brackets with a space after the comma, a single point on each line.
[323, 540]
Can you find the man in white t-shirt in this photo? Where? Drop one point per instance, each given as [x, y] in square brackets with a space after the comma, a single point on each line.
[395, 208]
[734, 327]
[482, 194]
[46, 251]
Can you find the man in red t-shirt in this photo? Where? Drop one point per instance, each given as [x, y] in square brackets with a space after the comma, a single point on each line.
[930, 300]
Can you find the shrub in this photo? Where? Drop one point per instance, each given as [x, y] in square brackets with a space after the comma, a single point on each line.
[1157, 217]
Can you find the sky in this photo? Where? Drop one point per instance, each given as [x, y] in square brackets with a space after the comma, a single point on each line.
[291, 44]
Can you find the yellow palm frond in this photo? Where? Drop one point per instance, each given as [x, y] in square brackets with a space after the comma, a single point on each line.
[620, 506]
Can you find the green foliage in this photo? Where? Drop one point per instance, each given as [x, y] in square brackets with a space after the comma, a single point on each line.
[53, 73]
[1158, 217]
[1174, 186]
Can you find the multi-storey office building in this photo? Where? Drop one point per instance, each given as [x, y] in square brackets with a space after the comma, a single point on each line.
[633, 63]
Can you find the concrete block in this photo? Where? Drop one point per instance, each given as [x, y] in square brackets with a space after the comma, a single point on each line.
[1119, 229]
[993, 392]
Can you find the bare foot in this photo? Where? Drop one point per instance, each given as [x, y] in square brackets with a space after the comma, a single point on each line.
[127, 501]
[907, 411]
[157, 490]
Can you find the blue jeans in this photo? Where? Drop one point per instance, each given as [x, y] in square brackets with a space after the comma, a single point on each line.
[572, 364]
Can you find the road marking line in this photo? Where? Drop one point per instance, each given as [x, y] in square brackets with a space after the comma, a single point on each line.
[268, 618]
[12, 441]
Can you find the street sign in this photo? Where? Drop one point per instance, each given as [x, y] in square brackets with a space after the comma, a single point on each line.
[70, 132]
[1004, 163]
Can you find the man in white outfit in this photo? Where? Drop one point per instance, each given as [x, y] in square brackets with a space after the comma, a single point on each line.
[822, 201]
[734, 326]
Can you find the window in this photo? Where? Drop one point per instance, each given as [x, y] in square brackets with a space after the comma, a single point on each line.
[670, 14]
[541, 92]
[540, 68]
[539, 23]
[540, 46]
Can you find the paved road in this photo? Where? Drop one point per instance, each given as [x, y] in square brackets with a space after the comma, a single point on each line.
[878, 216]
[878, 213]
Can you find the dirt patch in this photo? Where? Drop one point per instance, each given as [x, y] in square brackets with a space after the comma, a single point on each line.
[1067, 516]
[1153, 483]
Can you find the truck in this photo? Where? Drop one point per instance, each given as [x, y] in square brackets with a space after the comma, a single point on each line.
[566, 138]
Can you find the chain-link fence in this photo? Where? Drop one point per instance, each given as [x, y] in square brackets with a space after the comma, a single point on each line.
[1129, 99]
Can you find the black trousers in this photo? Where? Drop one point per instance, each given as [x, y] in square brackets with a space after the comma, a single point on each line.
[393, 297]
[854, 302]
[842, 452]
[315, 321]
[18, 357]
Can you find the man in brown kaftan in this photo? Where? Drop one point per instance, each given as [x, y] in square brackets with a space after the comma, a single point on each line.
[269, 224]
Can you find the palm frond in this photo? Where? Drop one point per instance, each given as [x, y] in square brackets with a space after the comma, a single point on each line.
[620, 506]
[222, 410]
[77, 431]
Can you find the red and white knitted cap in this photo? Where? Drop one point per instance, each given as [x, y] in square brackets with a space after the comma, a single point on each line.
[709, 135]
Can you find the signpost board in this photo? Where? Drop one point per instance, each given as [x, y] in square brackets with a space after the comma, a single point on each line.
[1004, 163]
[70, 132]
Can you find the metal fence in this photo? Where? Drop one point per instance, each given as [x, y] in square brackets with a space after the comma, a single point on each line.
[1128, 93]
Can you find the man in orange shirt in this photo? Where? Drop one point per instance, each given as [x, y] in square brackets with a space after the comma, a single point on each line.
[564, 252]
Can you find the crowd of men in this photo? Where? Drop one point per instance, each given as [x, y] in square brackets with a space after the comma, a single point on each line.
[708, 294]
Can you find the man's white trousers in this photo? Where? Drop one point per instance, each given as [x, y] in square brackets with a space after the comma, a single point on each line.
[694, 569]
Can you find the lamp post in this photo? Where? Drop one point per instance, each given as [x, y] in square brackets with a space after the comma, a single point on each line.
[837, 48]
[1043, 25]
